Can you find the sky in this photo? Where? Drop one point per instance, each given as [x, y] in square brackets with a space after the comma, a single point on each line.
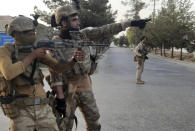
[145, 13]
[25, 7]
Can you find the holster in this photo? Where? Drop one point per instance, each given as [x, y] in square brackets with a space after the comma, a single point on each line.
[135, 58]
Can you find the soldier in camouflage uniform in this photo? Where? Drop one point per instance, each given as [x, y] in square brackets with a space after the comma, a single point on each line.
[79, 86]
[140, 55]
[22, 96]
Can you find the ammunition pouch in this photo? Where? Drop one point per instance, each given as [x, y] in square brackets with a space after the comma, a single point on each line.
[10, 100]
[138, 58]
[11, 106]
[10, 110]
[135, 58]
[6, 98]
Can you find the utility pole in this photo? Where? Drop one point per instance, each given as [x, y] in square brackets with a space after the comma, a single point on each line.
[154, 10]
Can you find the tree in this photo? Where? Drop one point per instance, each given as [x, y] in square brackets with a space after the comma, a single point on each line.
[136, 7]
[133, 13]
[96, 13]
[130, 36]
[154, 9]
[92, 13]
[121, 41]
[173, 21]
[52, 5]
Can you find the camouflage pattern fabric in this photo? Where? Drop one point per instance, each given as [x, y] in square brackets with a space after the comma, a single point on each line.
[79, 68]
[80, 92]
[140, 61]
[87, 105]
[140, 69]
[39, 117]
[28, 98]
[140, 49]
[34, 118]
[64, 11]
[99, 33]
[20, 24]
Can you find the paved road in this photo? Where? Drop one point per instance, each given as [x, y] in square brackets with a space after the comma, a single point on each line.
[165, 103]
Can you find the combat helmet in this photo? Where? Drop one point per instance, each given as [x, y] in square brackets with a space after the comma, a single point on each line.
[20, 24]
[64, 11]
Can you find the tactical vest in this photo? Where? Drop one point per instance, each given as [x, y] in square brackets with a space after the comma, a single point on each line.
[8, 88]
[32, 75]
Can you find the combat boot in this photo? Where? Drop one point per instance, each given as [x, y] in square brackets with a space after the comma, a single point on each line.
[139, 82]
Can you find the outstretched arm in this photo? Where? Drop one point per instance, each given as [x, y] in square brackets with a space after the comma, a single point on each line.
[112, 29]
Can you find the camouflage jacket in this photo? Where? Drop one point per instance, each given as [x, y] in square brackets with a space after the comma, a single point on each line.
[141, 50]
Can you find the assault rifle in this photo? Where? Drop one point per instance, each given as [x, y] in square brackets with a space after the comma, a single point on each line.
[65, 43]
[143, 53]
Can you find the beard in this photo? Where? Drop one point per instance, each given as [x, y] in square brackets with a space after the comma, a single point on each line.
[65, 32]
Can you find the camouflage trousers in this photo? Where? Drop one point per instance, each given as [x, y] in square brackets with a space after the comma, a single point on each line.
[140, 69]
[87, 104]
[34, 118]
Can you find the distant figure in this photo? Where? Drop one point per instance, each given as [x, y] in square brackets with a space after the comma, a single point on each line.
[140, 57]
[6, 26]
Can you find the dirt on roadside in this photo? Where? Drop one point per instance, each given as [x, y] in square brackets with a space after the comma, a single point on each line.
[188, 57]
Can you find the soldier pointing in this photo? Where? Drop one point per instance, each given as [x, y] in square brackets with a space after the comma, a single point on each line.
[75, 87]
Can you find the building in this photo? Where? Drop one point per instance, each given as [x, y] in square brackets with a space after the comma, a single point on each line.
[4, 20]
[4, 38]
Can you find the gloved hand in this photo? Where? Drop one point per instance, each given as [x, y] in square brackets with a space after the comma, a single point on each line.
[61, 106]
[146, 58]
[140, 23]
[79, 55]
[93, 58]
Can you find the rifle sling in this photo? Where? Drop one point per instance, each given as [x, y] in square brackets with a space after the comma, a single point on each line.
[30, 79]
